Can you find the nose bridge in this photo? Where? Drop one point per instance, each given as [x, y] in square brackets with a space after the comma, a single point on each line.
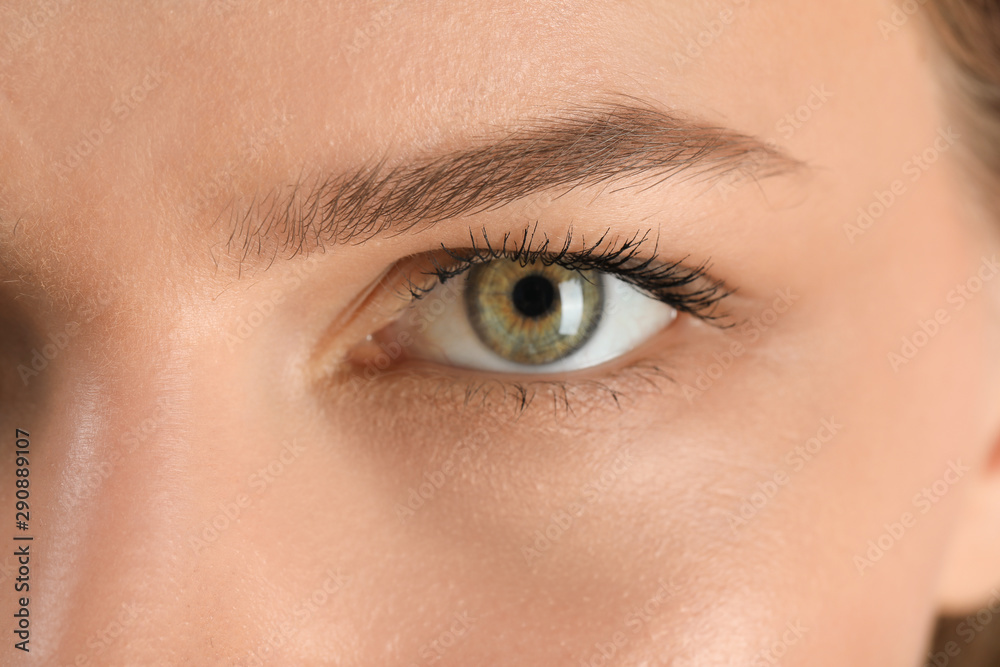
[129, 414]
[117, 428]
[119, 456]
[162, 472]
[149, 450]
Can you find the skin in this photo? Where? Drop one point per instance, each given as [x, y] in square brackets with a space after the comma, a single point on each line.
[179, 421]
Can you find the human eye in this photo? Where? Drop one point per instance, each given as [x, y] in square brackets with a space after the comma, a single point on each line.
[522, 306]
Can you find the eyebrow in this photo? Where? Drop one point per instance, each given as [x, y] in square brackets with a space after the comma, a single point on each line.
[588, 145]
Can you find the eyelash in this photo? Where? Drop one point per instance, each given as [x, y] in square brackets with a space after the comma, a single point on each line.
[561, 395]
[686, 289]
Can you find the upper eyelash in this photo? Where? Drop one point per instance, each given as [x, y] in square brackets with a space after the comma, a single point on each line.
[688, 289]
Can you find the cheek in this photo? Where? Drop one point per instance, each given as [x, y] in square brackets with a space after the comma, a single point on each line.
[814, 477]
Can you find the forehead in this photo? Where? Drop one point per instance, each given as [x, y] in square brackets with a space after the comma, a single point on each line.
[130, 124]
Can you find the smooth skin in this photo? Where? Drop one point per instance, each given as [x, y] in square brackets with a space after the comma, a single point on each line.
[205, 492]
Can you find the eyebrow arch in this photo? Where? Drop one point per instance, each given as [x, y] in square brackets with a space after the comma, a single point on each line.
[587, 145]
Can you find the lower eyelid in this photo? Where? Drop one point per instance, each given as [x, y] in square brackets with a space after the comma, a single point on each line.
[422, 386]
[386, 376]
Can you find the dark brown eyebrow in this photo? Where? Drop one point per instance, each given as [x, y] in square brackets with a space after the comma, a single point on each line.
[582, 146]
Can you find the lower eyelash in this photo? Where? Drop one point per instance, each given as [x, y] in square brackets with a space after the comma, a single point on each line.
[564, 397]
[524, 394]
[686, 289]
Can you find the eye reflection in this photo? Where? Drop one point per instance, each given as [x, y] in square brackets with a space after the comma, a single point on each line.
[533, 313]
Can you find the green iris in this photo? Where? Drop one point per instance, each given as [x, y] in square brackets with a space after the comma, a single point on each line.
[533, 314]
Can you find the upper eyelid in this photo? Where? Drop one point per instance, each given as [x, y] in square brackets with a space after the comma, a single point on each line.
[607, 255]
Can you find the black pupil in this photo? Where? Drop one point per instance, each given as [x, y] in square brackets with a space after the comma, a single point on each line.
[534, 296]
